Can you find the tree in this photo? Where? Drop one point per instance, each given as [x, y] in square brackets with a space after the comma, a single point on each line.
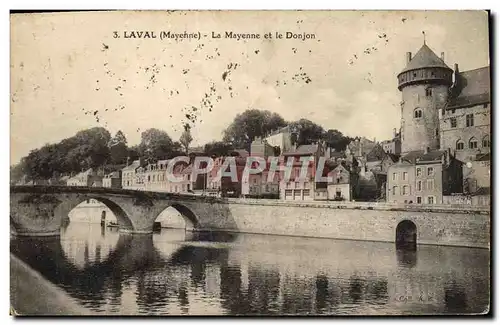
[133, 153]
[186, 138]
[335, 139]
[218, 148]
[251, 124]
[308, 131]
[118, 148]
[155, 145]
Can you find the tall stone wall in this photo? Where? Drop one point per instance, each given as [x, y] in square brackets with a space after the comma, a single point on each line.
[328, 221]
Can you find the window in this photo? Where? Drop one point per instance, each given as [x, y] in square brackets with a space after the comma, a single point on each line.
[406, 190]
[486, 142]
[419, 185]
[485, 105]
[428, 92]
[394, 176]
[469, 120]
[473, 143]
[430, 199]
[419, 199]
[417, 113]
[297, 184]
[154, 178]
[430, 184]
[453, 122]
[405, 176]
[419, 171]
[430, 171]
[288, 184]
[453, 111]
[394, 190]
[306, 185]
[149, 178]
[460, 145]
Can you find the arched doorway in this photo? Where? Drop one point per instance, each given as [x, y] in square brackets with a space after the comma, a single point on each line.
[406, 235]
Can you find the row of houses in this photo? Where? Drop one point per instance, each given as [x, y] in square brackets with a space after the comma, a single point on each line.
[365, 171]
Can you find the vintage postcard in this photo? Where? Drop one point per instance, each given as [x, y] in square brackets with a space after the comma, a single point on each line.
[250, 163]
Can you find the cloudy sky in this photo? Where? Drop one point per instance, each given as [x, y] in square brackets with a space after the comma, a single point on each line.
[69, 73]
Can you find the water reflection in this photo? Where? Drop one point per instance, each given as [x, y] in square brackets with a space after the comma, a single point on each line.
[177, 272]
[407, 257]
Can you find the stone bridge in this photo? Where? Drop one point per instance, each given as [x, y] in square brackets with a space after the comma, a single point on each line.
[40, 210]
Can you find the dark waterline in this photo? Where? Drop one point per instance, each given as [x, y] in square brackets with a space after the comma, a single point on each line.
[181, 273]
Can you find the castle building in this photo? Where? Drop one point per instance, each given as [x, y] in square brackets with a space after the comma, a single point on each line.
[424, 84]
[465, 121]
[443, 108]
[445, 125]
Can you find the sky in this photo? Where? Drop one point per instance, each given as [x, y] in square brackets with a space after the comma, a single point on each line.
[69, 73]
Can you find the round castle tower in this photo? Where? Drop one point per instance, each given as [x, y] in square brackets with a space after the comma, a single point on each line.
[424, 84]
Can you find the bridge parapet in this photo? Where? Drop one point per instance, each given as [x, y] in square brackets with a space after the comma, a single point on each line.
[384, 206]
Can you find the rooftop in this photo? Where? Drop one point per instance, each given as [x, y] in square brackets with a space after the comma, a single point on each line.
[425, 58]
[305, 149]
[472, 88]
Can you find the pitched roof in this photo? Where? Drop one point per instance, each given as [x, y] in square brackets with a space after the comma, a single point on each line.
[483, 157]
[241, 152]
[414, 157]
[305, 149]
[432, 155]
[376, 154]
[482, 191]
[425, 58]
[114, 174]
[472, 88]
[392, 156]
[133, 166]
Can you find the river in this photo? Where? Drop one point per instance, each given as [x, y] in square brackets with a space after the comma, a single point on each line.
[175, 272]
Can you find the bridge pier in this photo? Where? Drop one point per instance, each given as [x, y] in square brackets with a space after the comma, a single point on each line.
[34, 215]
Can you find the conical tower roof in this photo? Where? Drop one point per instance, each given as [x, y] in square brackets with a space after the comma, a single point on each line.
[425, 58]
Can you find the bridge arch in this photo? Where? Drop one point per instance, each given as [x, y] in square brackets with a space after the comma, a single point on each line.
[406, 234]
[122, 218]
[190, 218]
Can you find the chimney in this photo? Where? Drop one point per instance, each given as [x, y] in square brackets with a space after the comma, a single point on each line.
[426, 150]
[442, 56]
[408, 57]
[456, 68]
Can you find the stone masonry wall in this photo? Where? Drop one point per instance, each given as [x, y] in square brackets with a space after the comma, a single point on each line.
[312, 220]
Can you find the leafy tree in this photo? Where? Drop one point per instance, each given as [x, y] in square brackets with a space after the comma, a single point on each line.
[335, 139]
[118, 148]
[307, 131]
[155, 145]
[133, 153]
[218, 148]
[186, 138]
[250, 124]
